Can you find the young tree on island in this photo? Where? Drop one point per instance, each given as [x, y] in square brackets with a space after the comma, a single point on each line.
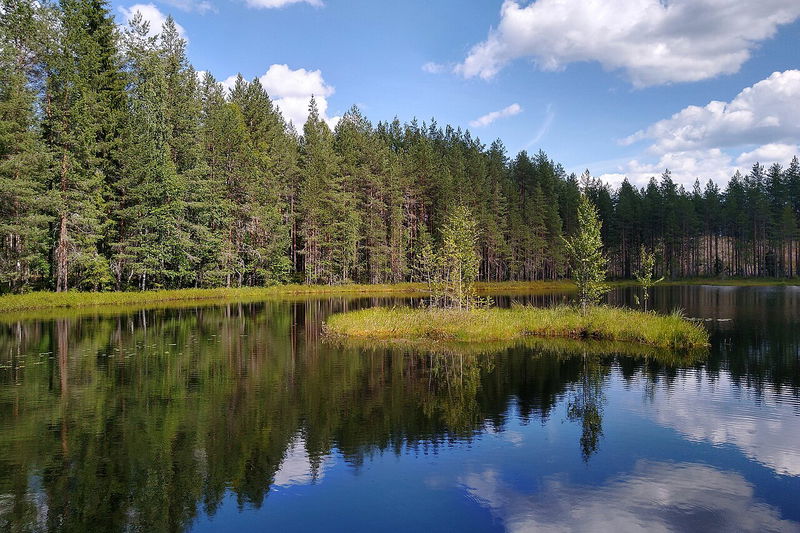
[586, 255]
[647, 263]
[459, 257]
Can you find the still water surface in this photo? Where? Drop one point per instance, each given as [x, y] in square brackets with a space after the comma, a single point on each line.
[242, 417]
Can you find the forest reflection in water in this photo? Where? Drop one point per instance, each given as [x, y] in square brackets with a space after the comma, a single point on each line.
[152, 420]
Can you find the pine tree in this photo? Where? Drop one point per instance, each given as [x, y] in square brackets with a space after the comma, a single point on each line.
[330, 222]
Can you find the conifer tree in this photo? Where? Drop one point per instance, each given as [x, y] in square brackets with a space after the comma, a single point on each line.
[84, 88]
[330, 222]
[24, 165]
[150, 248]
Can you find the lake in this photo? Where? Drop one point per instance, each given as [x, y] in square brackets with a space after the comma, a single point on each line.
[244, 417]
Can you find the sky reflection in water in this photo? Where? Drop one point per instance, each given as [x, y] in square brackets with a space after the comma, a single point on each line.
[241, 417]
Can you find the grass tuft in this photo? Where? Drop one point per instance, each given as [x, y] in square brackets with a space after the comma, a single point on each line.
[488, 325]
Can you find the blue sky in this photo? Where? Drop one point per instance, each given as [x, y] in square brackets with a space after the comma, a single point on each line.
[596, 84]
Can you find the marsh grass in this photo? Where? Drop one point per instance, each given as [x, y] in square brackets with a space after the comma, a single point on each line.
[72, 299]
[489, 325]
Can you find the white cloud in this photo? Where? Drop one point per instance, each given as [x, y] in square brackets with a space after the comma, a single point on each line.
[228, 83]
[685, 168]
[652, 41]
[433, 68]
[761, 124]
[766, 112]
[273, 4]
[712, 164]
[291, 91]
[151, 14]
[768, 153]
[488, 118]
[200, 6]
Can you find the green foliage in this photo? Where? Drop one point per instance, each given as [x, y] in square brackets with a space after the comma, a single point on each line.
[484, 325]
[585, 250]
[121, 169]
[644, 275]
[24, 163]
[459, 258]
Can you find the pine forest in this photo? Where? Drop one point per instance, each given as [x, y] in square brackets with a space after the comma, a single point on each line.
[124, 168]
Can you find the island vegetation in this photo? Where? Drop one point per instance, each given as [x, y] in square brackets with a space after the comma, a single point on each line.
[454, 313]
[123, 168]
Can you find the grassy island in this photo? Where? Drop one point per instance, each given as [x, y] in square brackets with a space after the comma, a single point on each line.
[486, 325]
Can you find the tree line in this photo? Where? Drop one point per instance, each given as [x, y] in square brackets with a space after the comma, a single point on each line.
[121, 167]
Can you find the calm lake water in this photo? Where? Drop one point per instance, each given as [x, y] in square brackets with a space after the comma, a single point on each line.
[242, 417]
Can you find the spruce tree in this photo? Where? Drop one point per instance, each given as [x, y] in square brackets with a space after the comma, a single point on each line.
[24, 165]
[149, 249]
[330, 222]
[84, 89]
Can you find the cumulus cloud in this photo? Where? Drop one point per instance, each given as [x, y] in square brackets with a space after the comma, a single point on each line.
[151, 14]
[488, 118]
[652, 41]
[761, 124]
[274, 4]
[767, 112]
[291, 91]
[775, 153]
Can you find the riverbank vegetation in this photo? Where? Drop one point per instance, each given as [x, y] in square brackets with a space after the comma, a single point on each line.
[122, 169]
[486, 325]
[453, 314]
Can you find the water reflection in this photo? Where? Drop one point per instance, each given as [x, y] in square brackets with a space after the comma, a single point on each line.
[157, 419]
[654, 496]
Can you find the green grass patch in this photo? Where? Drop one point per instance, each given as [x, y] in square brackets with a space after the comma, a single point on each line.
[488, 325]
[72, 299]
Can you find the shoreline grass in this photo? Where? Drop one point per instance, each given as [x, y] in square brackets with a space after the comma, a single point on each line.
[72, 299]
[488, 325]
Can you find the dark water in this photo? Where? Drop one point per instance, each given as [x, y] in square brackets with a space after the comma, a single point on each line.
[242, 418]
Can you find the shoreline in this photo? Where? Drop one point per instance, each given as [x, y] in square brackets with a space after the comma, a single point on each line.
[71, 300]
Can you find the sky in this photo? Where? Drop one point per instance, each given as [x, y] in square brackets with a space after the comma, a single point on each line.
[623, 88]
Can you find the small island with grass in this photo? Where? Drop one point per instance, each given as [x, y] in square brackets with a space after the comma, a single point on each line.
[455, 313]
